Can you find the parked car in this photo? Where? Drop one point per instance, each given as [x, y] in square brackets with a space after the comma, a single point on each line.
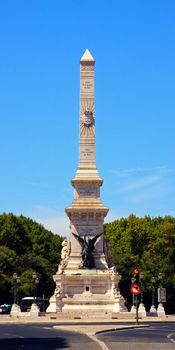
[5, 309]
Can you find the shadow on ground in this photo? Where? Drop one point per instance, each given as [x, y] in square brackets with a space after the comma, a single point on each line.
[33, 343]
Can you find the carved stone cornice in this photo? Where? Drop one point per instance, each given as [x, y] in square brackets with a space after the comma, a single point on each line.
[86, 182]
[86, 213]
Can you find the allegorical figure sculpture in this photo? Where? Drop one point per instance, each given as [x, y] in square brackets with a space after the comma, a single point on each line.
[65, 252]
[87, 251]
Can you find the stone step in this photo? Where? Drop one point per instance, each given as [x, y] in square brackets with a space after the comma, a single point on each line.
[91, 315]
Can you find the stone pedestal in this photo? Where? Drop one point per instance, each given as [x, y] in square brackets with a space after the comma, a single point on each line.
[34, 311]
[153, 311]
[160, 310]
[15, 310]
[142, 310]
[133, 309]
[85, 292]
[119, 304]
[53, 304]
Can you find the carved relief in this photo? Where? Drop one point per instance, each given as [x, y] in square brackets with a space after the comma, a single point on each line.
[87, 120]
[86, 67]
[58, 291]
[86, 131]
[87, 105]
[91, 216]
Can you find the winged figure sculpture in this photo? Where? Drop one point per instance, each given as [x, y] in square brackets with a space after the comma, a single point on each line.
[88, 249]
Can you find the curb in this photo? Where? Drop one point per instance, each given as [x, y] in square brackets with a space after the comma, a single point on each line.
[122, 328]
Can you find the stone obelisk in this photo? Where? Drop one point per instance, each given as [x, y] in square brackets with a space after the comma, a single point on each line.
[85, 290]
[87, 212]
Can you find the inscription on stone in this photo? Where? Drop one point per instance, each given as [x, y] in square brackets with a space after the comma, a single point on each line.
[86, 228]
[87, 153]
[87, 85]
[86, 191]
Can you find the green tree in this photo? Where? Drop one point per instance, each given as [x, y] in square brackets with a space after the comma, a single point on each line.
[146, 243]
[26, 246]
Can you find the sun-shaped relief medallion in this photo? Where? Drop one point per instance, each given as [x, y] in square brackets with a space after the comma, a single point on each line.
[87, 119]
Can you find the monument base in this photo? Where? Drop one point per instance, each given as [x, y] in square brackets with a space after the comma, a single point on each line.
[86, 292]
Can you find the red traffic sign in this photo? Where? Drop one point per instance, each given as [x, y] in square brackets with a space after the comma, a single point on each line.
[135, 288]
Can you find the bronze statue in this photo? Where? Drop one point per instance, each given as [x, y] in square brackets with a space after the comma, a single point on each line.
[87, 251]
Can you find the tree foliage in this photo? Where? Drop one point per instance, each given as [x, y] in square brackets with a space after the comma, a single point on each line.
[146, 243]
[26, 246]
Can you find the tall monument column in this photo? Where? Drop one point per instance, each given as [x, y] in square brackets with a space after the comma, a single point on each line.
[86, 280]
[87, 114]
[87, 211]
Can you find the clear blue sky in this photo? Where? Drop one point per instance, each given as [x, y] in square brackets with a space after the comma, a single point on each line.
[41, 43]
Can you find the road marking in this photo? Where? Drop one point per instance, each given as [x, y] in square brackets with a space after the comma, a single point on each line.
[11, 335]
[169, 337]
[50, 328]
[99, 342]
[83, 331]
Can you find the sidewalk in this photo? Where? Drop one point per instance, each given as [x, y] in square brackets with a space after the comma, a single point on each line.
[96, 329]
[89, 327]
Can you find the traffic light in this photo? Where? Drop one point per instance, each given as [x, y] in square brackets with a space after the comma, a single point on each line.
[136, 274]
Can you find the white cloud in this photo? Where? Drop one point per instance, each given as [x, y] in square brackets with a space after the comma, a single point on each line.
[145, 187]
[144, 196]
[58, 225]
[134, 171]
[112, 216]
[139, 183]
[50, 218]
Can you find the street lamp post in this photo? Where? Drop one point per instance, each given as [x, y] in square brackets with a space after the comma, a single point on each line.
[15, 310]
[142, 310]
[160, 309]
[153, 281]
[141, 284]
[16, 280]
[160, 277]
[35, 285]
[34, 311]
[153, 310]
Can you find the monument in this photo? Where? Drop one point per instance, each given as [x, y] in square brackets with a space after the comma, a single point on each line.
[86, 280]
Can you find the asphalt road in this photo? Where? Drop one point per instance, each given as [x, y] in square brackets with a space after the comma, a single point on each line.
[156, 336]
[41, 337]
